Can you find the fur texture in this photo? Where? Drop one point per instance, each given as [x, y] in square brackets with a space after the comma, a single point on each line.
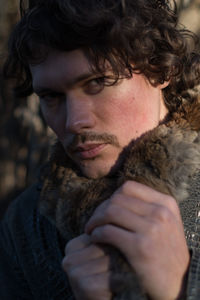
[164, 158]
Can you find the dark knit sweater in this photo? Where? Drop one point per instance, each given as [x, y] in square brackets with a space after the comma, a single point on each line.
[31, 252]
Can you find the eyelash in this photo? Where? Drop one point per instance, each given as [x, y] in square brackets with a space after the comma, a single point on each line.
[100, 81]
[50, 100]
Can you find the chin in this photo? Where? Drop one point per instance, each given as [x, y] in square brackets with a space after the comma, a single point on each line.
[99, 170]
[95, 172]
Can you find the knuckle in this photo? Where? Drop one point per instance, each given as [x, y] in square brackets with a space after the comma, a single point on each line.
[75, 275]
[99, 212]
[114, 199]
[88, 285]
[161, 213]
[76, 243]
[153, 229]
[66, 263]
[143, 246]
[106, 232]
[69, 247]
[110, 212]
[125, 188]
[117, 199]
[171, 204]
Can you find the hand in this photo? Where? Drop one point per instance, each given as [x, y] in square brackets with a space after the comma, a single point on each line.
[87, 268]
[146, 226]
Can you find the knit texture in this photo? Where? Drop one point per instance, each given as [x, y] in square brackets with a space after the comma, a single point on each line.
[31, 252]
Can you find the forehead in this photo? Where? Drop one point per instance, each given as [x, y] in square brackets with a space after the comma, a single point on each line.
[63, 67]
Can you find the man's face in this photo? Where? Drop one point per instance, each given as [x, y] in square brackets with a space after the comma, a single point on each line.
[94, 123]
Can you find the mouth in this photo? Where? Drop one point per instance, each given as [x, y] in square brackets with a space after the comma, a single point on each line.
[88, 151]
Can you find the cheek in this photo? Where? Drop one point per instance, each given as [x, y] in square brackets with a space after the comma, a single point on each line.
[130, 117]
[124, 111]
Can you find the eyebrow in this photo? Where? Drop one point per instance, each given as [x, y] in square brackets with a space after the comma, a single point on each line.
[42, 89]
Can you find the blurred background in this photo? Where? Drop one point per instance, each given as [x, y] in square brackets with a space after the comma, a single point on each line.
[24, 136]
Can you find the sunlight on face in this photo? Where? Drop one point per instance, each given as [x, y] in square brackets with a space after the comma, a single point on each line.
[95, 123]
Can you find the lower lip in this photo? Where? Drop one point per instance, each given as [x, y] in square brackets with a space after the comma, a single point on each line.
[91, 153]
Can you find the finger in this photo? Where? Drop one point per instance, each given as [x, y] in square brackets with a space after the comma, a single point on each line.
[117, 237]
[135, 197]
[119, 216]
[131, 204]
[147, 194]
[97, 287]
[78, 243]
[96, 266]
[142, 192]
[83, 255]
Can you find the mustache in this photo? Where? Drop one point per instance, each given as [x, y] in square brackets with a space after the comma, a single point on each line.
[105, 138]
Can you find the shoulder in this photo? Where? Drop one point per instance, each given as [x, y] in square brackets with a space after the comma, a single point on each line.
[18, 215]
[24, 229]
[20, 210]
[24, 203]
[30, 250]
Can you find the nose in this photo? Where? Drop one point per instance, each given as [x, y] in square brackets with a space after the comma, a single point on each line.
[79, 115]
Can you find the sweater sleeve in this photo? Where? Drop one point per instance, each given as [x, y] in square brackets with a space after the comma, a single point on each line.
[12, 281]
[31, 253]
[193, 282]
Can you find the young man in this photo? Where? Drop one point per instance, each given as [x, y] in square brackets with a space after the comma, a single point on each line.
[117, 83]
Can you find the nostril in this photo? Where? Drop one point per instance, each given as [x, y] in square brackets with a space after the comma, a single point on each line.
[76, 126]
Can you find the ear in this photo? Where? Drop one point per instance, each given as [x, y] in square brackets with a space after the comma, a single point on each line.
[163, 85]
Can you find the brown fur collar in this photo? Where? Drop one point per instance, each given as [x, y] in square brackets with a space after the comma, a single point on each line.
[164, 158]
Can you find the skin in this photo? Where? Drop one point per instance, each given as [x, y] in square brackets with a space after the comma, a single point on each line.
[150, 234]
[84, 114]
[73, 107]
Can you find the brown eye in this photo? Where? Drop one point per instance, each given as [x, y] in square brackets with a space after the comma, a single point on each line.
[95, 85]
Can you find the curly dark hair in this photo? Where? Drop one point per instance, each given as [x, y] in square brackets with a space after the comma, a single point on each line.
[140, 36]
